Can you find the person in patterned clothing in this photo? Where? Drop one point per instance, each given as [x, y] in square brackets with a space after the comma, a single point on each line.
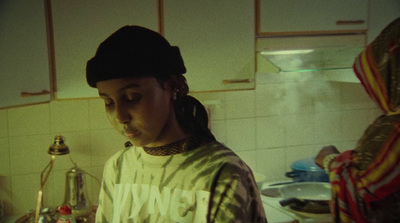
[172, 169]
[366, 181]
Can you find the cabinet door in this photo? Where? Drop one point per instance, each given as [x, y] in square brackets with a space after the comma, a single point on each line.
[216, 39]
[80, 26]
[311, 16]
[381, 13]
[24, 63]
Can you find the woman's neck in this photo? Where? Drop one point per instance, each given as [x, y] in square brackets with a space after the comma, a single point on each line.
[171, 133]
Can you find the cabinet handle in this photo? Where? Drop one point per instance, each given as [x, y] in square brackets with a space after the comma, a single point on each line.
[31, 94]
[237, 81]
[350, 22]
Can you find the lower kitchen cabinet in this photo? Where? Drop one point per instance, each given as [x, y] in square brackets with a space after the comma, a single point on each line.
[24, 63]
[216, 39]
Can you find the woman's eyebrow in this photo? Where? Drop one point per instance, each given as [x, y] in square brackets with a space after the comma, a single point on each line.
[122, 89]
[129, 86]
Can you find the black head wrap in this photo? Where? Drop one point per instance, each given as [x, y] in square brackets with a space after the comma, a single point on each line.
[134, 51]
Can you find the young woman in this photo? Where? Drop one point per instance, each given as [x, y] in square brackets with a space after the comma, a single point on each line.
[366, 180]
[172, 169]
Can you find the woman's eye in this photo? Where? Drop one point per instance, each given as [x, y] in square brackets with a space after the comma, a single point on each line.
[134, 98]
[108, 103]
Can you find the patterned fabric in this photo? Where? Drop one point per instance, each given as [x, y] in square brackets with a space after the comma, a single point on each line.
[369, 174]
[206, 184]
[366, 181]
[180, 146]
[377, 67]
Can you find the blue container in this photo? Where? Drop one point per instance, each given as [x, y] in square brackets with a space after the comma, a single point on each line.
[305, 170]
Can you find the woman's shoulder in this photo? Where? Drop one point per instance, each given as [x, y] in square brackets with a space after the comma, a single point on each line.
[119, 156]
[217, 149]
[219, 154]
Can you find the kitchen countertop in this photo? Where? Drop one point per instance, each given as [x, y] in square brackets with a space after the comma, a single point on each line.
[274, 211]
[278, 214]
[27, 217]
[275, 215]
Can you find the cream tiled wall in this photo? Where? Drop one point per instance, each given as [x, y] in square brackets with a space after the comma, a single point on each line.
[282, 120]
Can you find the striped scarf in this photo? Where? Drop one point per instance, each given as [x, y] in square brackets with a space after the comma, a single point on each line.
[377, 67]
[370, 174]
[355, 190]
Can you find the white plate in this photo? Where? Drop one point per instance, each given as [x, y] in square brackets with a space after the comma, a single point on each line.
[307, 190]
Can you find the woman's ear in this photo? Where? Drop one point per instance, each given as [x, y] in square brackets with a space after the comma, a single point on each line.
[170, 88]
[176, 84]
[171, 83]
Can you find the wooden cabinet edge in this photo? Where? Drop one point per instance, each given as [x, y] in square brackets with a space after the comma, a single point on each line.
[24, 105]
[350, 22]
[237, 81]
[311, 33]
[33, 94]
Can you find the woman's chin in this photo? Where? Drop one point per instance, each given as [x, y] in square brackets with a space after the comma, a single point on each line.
[137, 142]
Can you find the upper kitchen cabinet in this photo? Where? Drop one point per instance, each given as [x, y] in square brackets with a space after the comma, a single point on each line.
[216, 39]
[24, 63]
[294, 17]
[80, 26]
[381, 13]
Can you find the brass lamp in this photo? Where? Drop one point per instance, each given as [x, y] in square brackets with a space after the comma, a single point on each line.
[56, 149]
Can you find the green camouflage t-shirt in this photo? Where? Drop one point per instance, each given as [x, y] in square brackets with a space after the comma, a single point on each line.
[207, 184]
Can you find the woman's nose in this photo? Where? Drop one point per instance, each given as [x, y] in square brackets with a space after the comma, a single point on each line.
[122, 115]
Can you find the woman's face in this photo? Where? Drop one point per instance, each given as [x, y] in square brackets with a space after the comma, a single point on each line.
[141, 109]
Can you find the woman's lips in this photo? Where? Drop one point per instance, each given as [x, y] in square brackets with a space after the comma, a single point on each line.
[130, 134]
